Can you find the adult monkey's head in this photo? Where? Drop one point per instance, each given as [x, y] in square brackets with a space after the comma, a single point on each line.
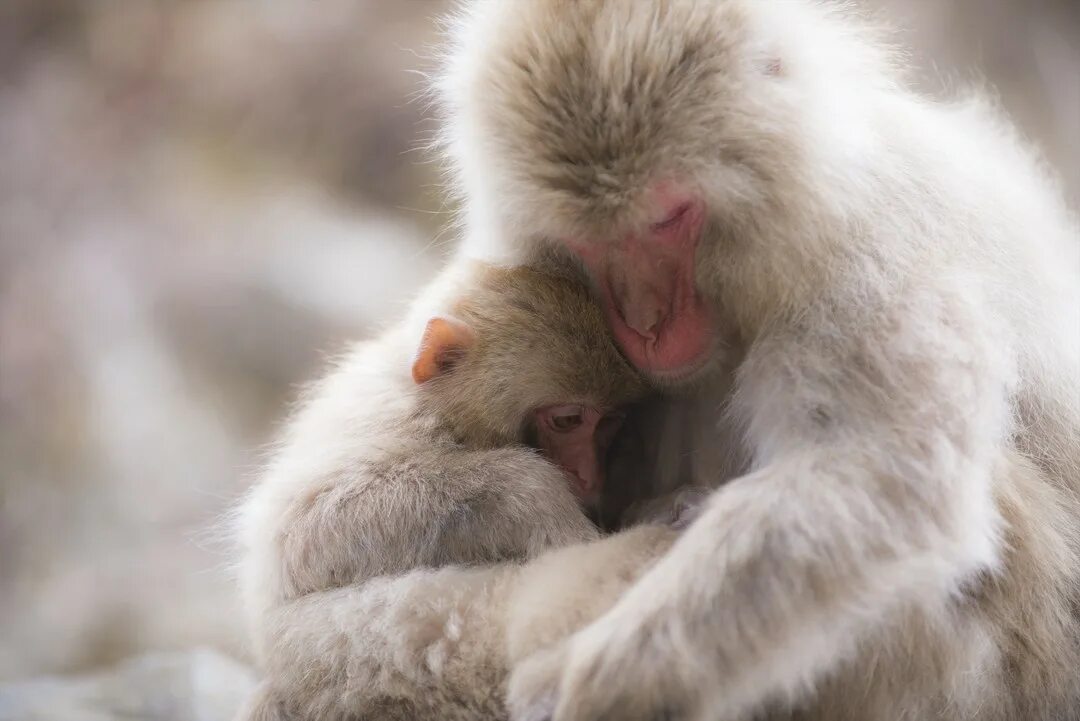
[659, 142]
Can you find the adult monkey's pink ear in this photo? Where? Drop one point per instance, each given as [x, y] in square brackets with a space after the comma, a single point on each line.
[444, 342]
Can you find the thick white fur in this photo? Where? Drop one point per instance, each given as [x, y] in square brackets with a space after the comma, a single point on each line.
[899, 282]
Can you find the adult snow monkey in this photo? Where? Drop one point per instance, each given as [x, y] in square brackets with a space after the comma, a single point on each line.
[879, 295]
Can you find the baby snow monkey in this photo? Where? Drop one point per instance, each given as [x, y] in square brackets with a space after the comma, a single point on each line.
[412, 456]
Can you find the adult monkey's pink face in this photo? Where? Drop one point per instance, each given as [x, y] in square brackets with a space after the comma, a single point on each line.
[645, 278]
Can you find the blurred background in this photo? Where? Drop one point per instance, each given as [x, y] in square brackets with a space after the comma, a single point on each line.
[201, 200]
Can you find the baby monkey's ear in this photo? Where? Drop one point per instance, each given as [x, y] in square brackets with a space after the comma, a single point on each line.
[444, 343]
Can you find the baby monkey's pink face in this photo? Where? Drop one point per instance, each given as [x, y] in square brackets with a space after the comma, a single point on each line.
[491, 393]
[577, 437]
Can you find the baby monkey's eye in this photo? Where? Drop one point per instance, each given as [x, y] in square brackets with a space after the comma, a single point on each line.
[565, 418]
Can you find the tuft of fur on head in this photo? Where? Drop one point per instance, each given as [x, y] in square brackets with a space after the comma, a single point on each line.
[562, 118]
[573, 108]
[540, 340]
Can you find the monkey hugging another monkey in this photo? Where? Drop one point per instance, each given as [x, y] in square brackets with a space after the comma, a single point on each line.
[874, 298]
[385, 570]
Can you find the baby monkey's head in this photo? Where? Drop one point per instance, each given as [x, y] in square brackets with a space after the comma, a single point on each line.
[524, 357]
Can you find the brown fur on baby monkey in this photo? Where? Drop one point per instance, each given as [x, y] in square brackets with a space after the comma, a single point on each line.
[378, 461]
[525, 356]
[403, 485]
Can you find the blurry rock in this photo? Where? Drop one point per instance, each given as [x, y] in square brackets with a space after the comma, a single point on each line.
[196, 686]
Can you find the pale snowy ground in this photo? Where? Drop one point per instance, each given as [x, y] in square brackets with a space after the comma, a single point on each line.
[198, 202]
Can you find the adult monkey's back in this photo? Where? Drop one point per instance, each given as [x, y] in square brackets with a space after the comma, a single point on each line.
[895, 284]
